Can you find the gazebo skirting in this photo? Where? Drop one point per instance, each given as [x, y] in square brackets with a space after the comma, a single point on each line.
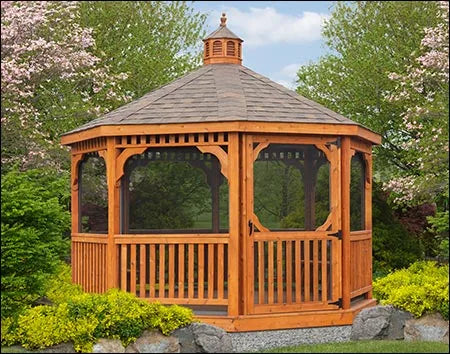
[246, 277]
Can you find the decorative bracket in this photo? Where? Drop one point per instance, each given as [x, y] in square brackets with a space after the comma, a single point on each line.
[122, 159]
[221, 155]
[258, 149]
[75, 163]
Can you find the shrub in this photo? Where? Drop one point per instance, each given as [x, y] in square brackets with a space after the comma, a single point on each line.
[421, 288]
[393, 246]
[59, 287]
[34, 224]
[86, 317]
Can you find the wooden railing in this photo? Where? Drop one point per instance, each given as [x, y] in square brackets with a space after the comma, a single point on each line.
[360, 262]
[89, 261]
[176, 269]
[297, 272]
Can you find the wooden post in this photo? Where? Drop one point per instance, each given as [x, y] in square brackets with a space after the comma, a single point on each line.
[112, 271]
[368, 210]
[233, 245]
[345, 199]
[75, 211]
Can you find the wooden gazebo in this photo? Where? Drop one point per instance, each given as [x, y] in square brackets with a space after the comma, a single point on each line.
[228, 193]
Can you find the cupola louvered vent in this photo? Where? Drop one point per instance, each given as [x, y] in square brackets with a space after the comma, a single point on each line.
[222, 46]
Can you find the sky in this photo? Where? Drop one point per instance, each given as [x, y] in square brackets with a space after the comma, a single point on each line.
[279, 36]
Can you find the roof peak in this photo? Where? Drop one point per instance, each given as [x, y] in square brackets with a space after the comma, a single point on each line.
[222, 45]
[223, 20]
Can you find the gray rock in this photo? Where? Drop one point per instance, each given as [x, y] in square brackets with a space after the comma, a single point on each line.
[372, 323]
[108, 346]
[154, 342]
[203, 338]
[186, 339]
[397, 324]
[427, 328]
[60, 348]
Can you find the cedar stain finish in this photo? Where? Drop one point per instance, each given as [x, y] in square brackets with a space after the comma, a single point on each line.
[263, 278]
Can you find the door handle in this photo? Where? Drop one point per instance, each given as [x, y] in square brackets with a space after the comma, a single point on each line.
[250, 225]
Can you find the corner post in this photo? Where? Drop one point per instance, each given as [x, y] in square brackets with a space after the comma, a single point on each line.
[233, 244]
[113, 215]
[368, 210]
[75, 209]
[345, 199]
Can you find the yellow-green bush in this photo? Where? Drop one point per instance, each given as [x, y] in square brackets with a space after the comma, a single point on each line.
[59, 287]
[86, 317]
[421, 288]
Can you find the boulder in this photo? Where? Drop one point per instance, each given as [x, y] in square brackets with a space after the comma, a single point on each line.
[397, 324]
[203, 338]
[108, 346]
[371, 323]
[427, 328]
[154, 342]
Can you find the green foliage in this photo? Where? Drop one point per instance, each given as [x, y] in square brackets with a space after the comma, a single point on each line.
[84, 318]
[393, 246]
[439, 226]
[34, 229]
[421, 288]
[153, 41]
[59, 287]
[167, 195]
[367, 41]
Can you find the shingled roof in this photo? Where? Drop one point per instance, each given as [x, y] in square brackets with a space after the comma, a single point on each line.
[222, 32]
[218, 93]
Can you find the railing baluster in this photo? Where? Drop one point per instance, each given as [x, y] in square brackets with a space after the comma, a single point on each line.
[191, 272]
[324, 272]
[298, 272]
[181, 271]
[152, 270]
[316, 270]
[162, 271]
[307, 275]
[133, 269]
[270, 271]
[220, 270]
[279, 272]
[260, 272]
[124, 265]
[142, 274]
[171, 271]
[289, 272]
[201, 271]
[211, 271]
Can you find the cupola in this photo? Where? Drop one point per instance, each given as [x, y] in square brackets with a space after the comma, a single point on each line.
[222, 46]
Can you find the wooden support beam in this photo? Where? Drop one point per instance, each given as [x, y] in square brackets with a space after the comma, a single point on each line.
[234, 215]
[345, 200]
[112, 266]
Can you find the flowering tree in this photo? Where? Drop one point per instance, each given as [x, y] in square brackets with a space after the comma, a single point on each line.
[50, 80]
[424, 139]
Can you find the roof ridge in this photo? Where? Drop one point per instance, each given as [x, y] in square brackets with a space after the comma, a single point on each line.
[297, 96]
[195, 74]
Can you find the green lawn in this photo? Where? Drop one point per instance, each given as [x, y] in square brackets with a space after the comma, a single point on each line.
[348, 347]
[367, 347]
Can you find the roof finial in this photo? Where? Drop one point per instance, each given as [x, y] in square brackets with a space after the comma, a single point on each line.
[223, 20]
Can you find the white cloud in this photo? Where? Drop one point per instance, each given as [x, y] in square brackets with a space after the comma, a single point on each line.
[265, 25]
[290, 70]
[288, 75]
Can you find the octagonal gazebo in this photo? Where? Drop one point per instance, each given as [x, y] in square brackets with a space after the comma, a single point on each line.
[228, 193]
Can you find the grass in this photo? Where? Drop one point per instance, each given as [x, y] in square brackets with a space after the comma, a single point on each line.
[374, 346]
